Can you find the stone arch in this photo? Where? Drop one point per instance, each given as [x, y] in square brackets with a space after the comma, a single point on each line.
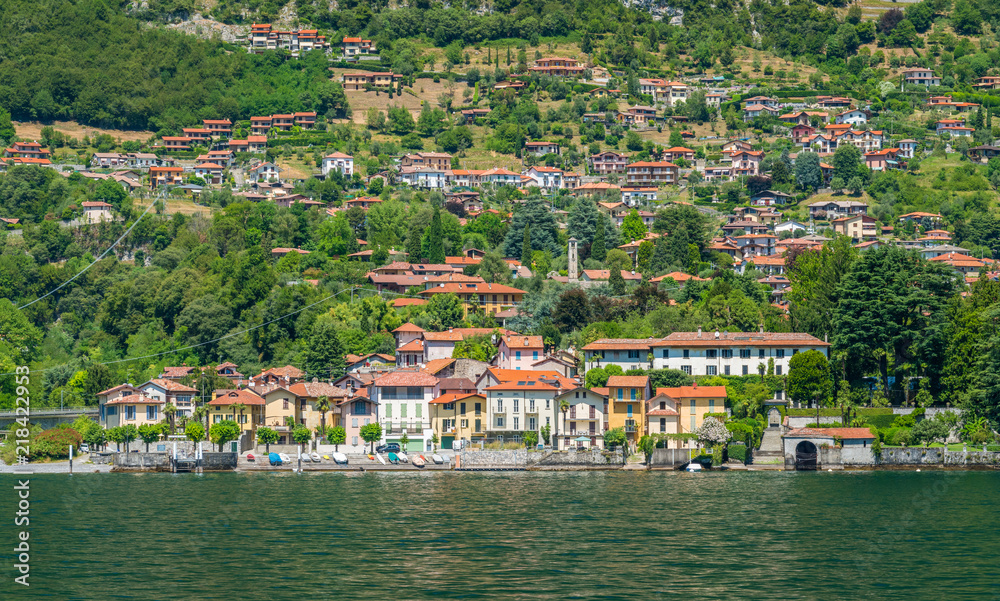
[806, 456]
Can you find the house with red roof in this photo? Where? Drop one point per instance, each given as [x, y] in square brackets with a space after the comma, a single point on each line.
[125, 405]
[458, 416]
[519, 352]
[244, 407]
[403, 397]
[583, 423]
[730, 353]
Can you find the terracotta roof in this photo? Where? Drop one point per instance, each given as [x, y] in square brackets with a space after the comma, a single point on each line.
[451, 398]
[519, 342]
[288, 370]
[738, 339]
[474, 288]
[406, 378]
[627, 381]
[177, 372]
[407, 302]
[512, 375]
[114, 389]
[171, 385]
[843, 433]
[412, 346]
[619, 344]
[437, 365]
[408, 327]
[317, 389]
[225, 397]
[135, 399]
[525, 384]
[456, 383]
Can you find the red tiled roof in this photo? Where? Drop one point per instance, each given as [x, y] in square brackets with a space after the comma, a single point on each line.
[627, 381]
[408, 327]
[225, 397]
[317, 389]
[406, 378]
[171, 386]
[451, 398]
[519, 342]
[136, 399]
[619, 344]
[738, 339]
[513, 375]
[698, 392]
[843, 433]
[525, 384]
[437, 365]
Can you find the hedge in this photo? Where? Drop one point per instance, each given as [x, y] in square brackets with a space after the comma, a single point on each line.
[737, 452]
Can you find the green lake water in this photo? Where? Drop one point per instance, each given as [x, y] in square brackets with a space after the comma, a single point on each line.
[512, 535]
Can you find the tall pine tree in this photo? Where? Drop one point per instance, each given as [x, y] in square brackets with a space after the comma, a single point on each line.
[598, 249]
[436, 253]
[526, 247]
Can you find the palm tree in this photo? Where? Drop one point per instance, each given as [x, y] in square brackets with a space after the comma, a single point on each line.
[202, 412]
[170, 410]
[322, 405]
[564, 407]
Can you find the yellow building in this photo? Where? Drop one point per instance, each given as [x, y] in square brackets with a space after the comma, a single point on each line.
[458, 417]
[627, 396]
[492, 298]
[693, 402]
[224, 406]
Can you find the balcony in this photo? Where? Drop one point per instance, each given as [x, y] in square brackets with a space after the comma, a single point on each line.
[630, 425]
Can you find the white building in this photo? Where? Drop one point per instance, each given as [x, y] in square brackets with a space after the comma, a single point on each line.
[731, 353]
[627, 353]
[853, 116]
[520, 406]
[585, 418]
[338, 161]
[403, 398]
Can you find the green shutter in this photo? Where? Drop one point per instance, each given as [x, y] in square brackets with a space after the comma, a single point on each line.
[420, 410]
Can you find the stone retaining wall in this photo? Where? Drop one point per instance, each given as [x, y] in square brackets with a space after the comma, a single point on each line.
[670, 457]
[508, 459]
[142, 461]
[576, 458]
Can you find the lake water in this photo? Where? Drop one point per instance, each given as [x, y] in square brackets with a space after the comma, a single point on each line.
[512, 535]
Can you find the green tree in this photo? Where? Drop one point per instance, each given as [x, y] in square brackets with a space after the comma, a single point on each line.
[572, 311]
[646, 446]
[632, 226]
[149, 433]
[222, 432]
[544, 230]
[128, 434]
[617, 283]
[324, 354]
[494, 269]
[598, 250]
[615, 437]
[436, 254]
[337, 436]
[809, 377]
[808, 173]
[446, 311]
[530, 439]
[371, 433]
[583, 219]
[194, 431]
[526, 246]
[267, 436]
[301, 434]
[322, 405]
[815, 277]
[847, 162]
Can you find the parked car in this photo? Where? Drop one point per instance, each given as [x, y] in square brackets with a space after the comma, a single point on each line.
[84, 448]
[392, 447]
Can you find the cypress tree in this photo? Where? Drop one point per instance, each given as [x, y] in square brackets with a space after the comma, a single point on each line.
[661, 256]
[436, 252]
[598, 249]
[526, 247]
[617, 283]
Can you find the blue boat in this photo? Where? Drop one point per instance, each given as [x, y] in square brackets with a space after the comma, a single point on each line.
[274, 458]
[393, 458]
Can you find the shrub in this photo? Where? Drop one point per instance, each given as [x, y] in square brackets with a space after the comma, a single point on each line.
[738, 452]
[904, 421]
[879, 421]
[55, 443]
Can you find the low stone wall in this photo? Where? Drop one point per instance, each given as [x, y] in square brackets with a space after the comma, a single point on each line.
[142, 461]
[802, 422]
[508, 459]
[576, 458]
[219, 461]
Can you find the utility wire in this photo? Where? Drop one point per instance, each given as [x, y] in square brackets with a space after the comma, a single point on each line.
[82, 271]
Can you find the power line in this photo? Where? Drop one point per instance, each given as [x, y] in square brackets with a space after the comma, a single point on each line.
[102, 255]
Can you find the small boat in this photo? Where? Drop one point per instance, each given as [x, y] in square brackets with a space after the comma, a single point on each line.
[693, 467]
[274, 458]
[402, 457]
[251, 458]
[327, 457]
[315, 456]
[393, 458]
[419, 461]
[437, 459]
[340, 458]
[380, 458]
[305, 457]
[285, 458]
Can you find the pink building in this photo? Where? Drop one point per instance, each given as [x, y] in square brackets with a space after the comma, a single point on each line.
[520, 352]
[356, 413]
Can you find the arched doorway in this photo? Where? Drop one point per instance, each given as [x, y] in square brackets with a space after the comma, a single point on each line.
[806, 456]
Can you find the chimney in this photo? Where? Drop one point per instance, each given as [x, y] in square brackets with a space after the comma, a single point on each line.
[761, 328]
[315, 380]
[717, 334]
[699, 332]
[826, 338]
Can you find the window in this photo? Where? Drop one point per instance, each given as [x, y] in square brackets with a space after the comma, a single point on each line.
[499, 405]
[726, 369]
[284, 404]
[130, 412]
[727, 353]
[499, 422]
[461, 407]
[243, 419]
[630, 411]
[687, 354]
[479, 410]
[711, 353]
[465, 423]
[354, 422]
[710, 370]
[449, 406]
[534, 355]
[388, 409]
[354, 440]
[547, 404]
[666, 353]
[663, 424]
[780, 353]
[711, 405]
[746, 370]
[111, 411]
[633, 393]
[151, 412]
[516, 424]
[795, 351]
[515, 405]
[420, 410]
[402, 410]
[760, 353]
[517, 355]
[744, 353]
[531, 406]
[777, 370]
[479, 425]
[633, 354]
[302, 404]
[532, 424]
[621, 394]
[686, 369]
[593, 412]
[368, 420]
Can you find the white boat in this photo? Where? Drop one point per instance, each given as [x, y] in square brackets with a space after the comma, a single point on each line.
[402, 457]
[285, 458]
[437, 459]
[305, 457]
[340, 458]
[419, 461]
[380, 458]
[315, 456]
[693, 467]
